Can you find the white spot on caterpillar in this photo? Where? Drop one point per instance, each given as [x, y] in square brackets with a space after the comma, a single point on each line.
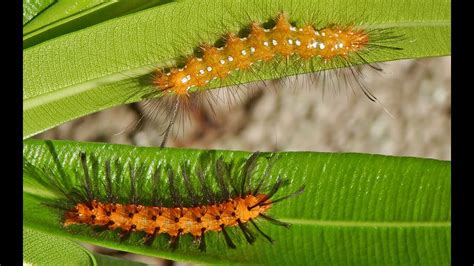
[274, 42]
[201, 72]
[266, 30]
[290, 41]
[265, 43]
[313, 44]
[323, 34]
[292, 28]
[199, 59]
[209, 68]
[230, 58]
[298, 42]
[252, 50]
[186, 79]
[322, 46]
[243, 52]
[222, 61]
[316, 33]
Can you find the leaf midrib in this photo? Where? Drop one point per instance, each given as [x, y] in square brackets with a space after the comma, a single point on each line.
[339, 223]
[75, 89]
[412, 24]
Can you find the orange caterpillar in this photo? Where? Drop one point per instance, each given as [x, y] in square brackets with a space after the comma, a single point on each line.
[335, 44]
[172, 221]
[261, 45]
[231, 206]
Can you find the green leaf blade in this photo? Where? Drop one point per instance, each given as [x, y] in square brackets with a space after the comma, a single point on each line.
[103, 66]
[31, 8]
[45, 249]
[357, 209]
[69, 16]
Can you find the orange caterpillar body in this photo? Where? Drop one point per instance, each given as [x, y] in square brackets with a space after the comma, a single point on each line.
[261, 45]
[234, 203]
[172, 221]
[340, 46]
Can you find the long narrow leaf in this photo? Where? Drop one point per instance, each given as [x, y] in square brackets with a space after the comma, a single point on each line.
[357, 209]
[104, 65]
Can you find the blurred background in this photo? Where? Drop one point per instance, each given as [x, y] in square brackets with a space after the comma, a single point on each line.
[293, 115]
[411, 118]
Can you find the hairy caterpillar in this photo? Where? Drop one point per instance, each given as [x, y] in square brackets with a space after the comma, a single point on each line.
[235, 202]
[341, 45]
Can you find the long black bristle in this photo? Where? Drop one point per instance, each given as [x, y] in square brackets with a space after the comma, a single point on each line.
[133, 185]
[94, 176]
[119, 174]
[270, 194]
[55, 206]
[108, 182]
[173, 243]
[221, 173]
[171, 123]
[188, 185]
[124, 235]
[249, 166]
[100, 228]
[297, 192]
[202, 242]
[271, 162]
[209, 196]
[262, 233]
[257, 189]
[229, 242]
[173, 191]
[87, 179]
[148, 239]
[275, 221]
[155, 187]
[248, 235]
[275, 188]
[367, 63]
[55, 182]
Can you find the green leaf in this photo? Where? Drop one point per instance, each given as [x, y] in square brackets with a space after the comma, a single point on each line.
[357, 209]
[45, 249]
[31, 8]
[104, 65]
[59, 11]
[71, 15]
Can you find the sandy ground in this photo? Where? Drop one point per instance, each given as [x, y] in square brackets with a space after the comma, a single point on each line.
[412, 118]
